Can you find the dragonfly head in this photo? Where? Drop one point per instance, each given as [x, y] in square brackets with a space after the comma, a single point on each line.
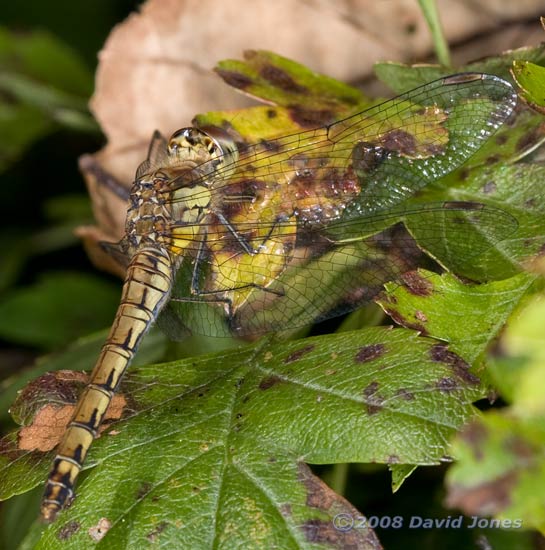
[209, 150]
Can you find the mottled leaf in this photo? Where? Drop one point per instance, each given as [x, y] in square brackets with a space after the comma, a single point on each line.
[501, 456]
[275, 79]
[468, 316]
[495, 187]
[501, 470]
[203, 438]
[401, 77]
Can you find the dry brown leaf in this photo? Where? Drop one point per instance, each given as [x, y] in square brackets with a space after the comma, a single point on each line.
[155, 68]
[49, 420]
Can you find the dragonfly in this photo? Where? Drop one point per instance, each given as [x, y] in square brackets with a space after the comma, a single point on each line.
[227, 238]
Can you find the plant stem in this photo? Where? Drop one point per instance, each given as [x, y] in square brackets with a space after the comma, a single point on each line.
[429, 9]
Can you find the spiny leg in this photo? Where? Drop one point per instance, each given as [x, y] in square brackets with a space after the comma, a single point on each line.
[244, 243]
[146, 289]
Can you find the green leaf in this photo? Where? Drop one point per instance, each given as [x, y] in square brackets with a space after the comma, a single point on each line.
[207, 453]
[20, 125]
[467, 316]
[494, 187]
[400, 472]
[269, 76]
[43, 85]
[501, 456]
[57, 309]
[401, 77]
[43, 57]
[531, 79]
[501, 470]
[299, 98]
[17, 515]
[518, 371]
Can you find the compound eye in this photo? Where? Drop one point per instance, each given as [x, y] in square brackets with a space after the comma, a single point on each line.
[181, 139]
[192, 144]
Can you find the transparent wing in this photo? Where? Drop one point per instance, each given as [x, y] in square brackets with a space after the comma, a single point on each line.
[311, 225]
[377, 158]
[309, 275]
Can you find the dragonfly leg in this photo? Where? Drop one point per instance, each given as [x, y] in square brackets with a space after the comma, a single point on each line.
[89, 166]
[245, 245]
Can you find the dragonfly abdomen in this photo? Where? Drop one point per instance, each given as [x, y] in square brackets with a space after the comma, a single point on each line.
[147, 286]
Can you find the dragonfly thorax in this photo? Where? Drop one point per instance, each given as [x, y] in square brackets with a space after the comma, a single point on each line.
[176, 194]
[147, 215]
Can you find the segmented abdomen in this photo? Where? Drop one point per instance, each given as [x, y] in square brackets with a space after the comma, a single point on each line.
[147, 286]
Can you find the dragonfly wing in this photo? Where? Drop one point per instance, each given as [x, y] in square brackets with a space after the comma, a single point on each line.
[157, 155]
[322, 276]
[377, 158]
[417, 147]
[300, 227]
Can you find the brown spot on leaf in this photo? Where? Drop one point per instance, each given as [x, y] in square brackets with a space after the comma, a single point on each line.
[370, 352]
[485, 499]
[320, 531]
[234, 79]
[463, 173]
[421, 316]
[521, 448]
[9, 448]
[63, 386]
[154, 535]
[416, 284]
[271, 113]
[492, 159]
[400, 141]
[393, 459]
[310, 118]
[321, 497]
[46, 430]
[143, 490]
[285, 510]
[401, 320]
[501, 139]
[447, 384]
[489, 187]
[475, 435]
[295, 355]
[530, 139]
[405, 394]
[269, 382]
[373, 401]
[441, 354]
[98, 531]
[281, 79]
[68, 530]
